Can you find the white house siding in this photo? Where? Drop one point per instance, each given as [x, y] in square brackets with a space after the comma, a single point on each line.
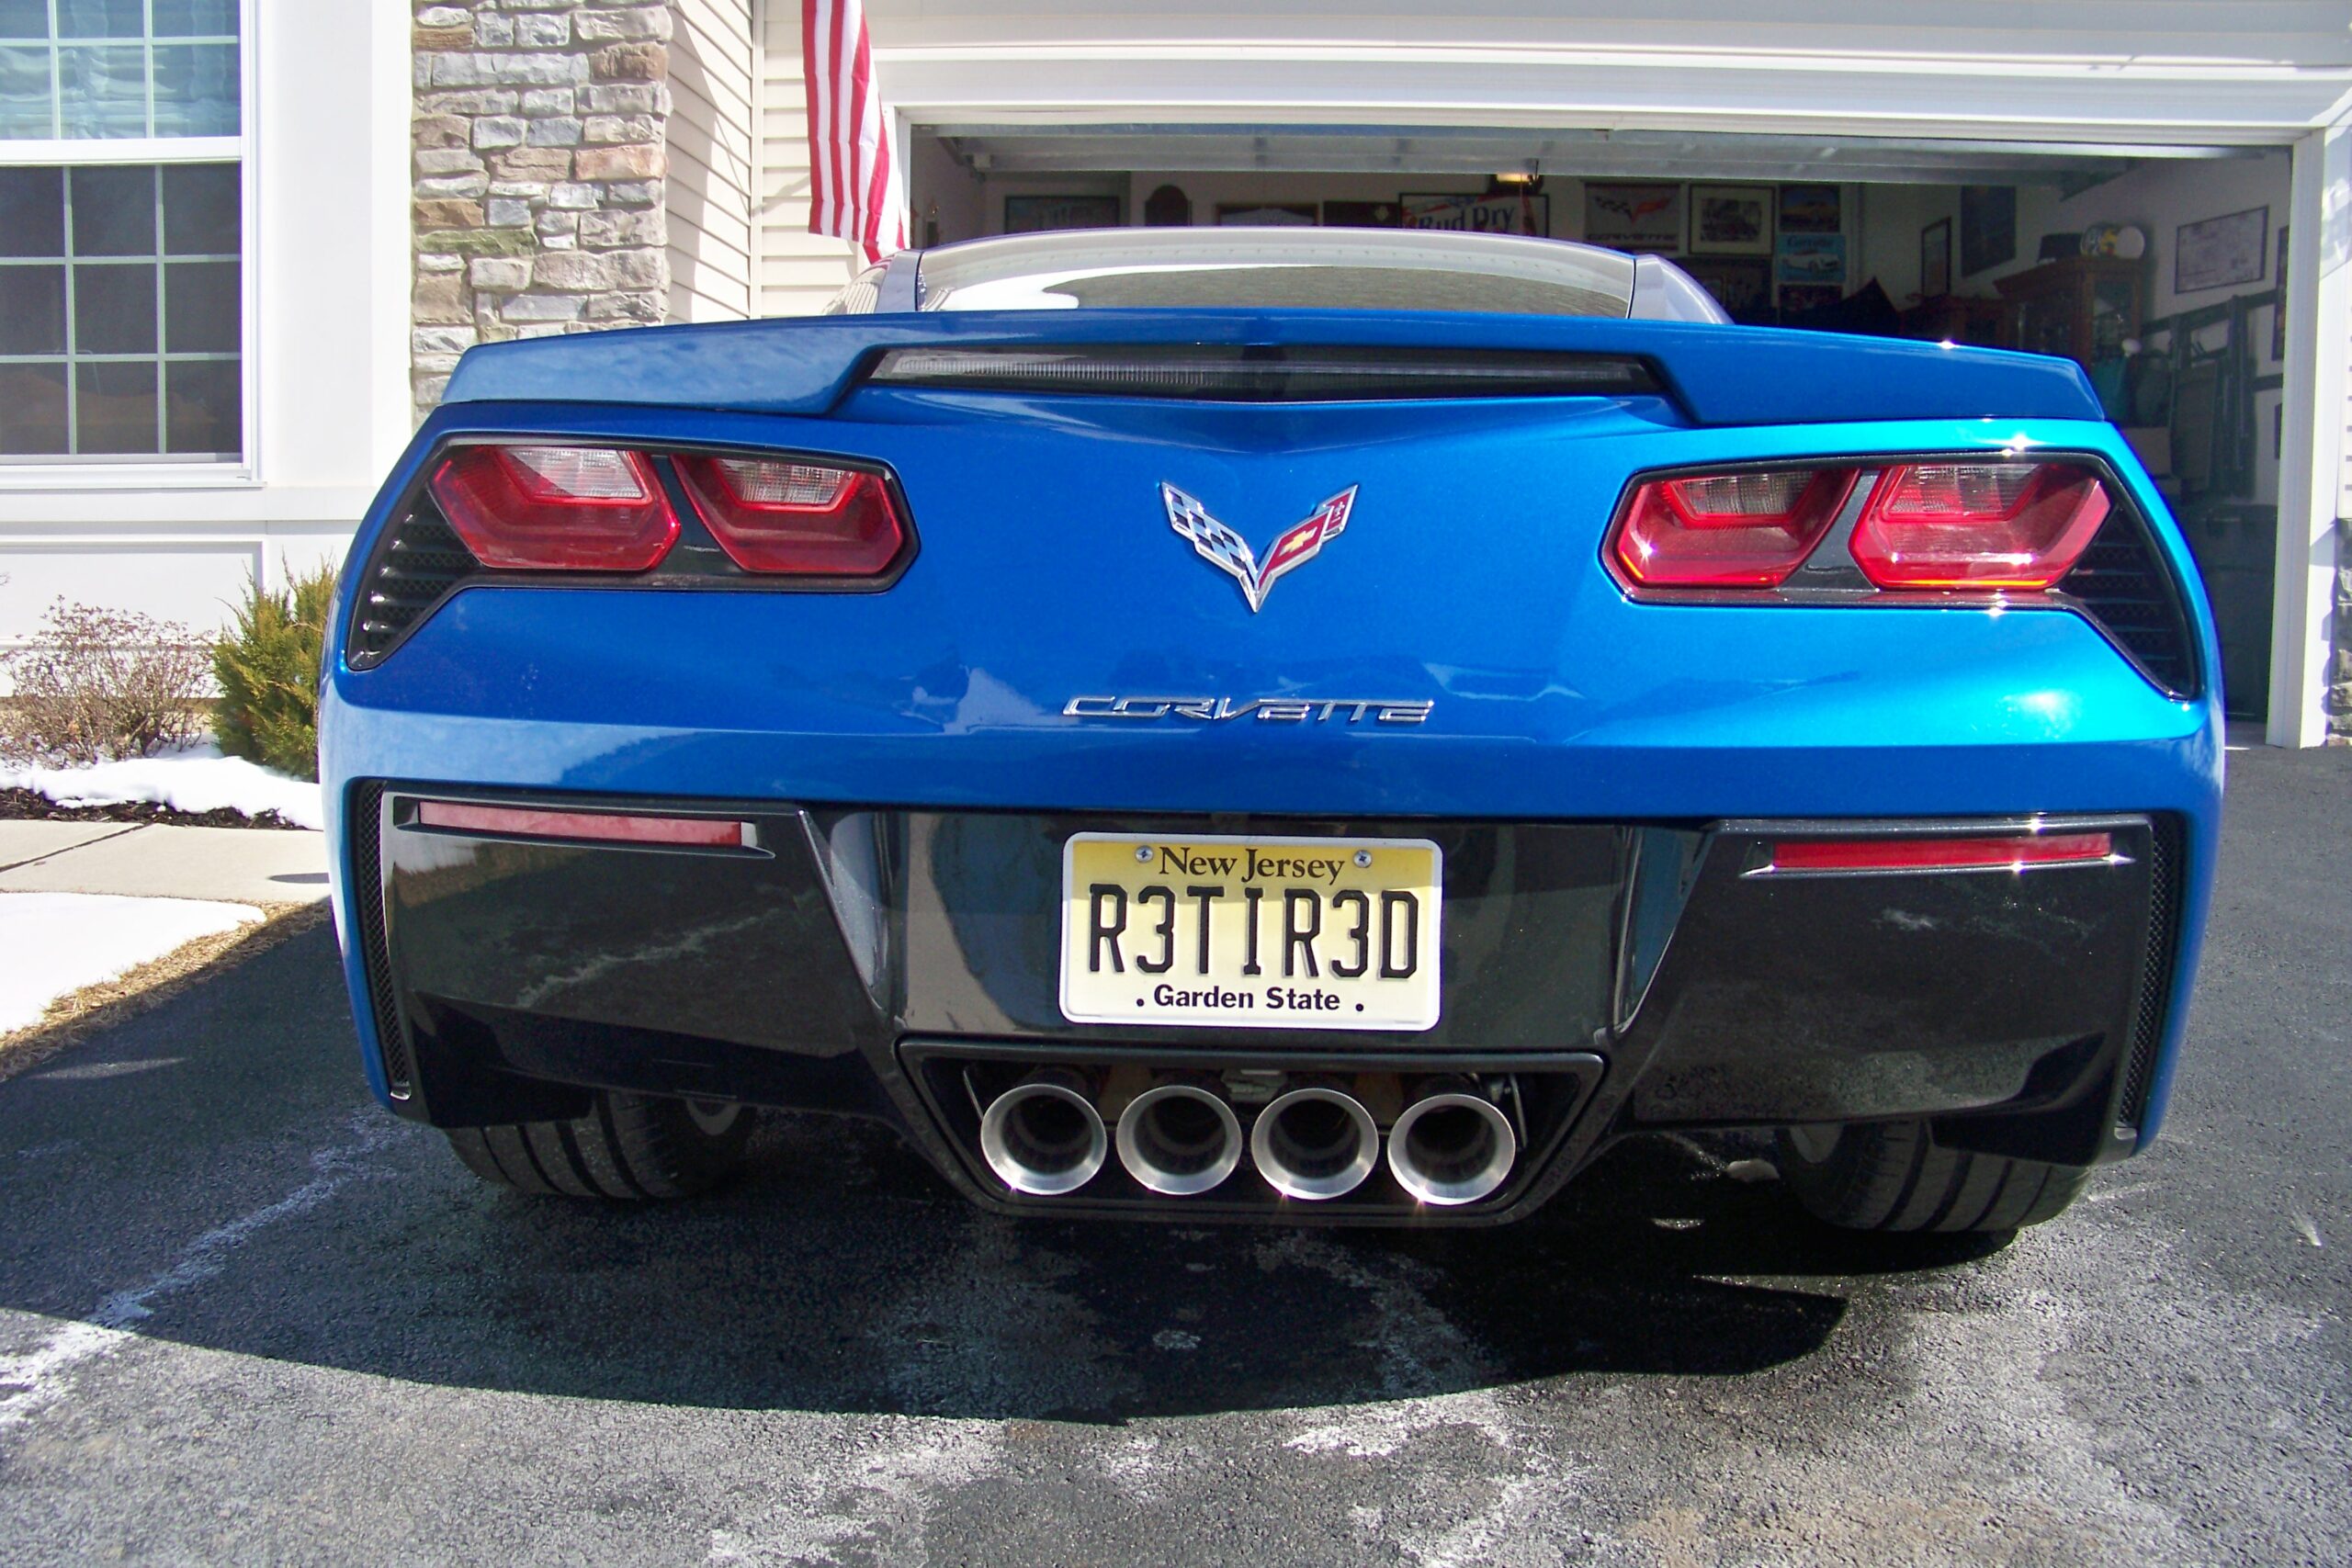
[327, 254]
[797, 271]
[713, 82]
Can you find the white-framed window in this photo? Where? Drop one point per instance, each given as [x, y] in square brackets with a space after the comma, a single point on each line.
[125, 305]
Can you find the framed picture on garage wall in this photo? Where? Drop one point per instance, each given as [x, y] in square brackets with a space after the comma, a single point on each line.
[1035, 214]
[1811, 258]
[1811, 209]
[1627, 216]
[1741, 285]
[1510, 213]
[1730, 220]
[2215, 252]
[1988, 227]
[1796, 299]
[1935, 259]
[2278, 309]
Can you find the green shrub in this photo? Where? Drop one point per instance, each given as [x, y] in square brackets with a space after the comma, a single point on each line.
[267, 669]
[98, 685]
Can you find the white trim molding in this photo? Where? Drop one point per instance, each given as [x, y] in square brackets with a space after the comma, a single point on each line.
[2311, 441]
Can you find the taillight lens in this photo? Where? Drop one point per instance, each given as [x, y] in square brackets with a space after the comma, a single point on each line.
[1978, 525]
[800, 519]
[556, 508]
[1731, 530]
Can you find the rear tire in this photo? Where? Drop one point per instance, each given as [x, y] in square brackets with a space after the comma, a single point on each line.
[1890, 1176]
[630, 1147]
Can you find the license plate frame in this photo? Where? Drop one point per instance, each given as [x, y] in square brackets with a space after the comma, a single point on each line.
[1406, 932]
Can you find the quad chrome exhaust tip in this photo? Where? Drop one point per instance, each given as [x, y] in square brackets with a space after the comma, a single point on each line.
[1314, 1143]
[1043, 1136]
[1179, 1139]
[1453, 1146]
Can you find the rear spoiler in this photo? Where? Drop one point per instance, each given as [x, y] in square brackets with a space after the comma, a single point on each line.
[1717, 374]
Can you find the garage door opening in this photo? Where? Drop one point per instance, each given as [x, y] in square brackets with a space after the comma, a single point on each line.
[2158, 269]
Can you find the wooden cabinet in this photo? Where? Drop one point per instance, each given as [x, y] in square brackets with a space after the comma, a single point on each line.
[2082, 306]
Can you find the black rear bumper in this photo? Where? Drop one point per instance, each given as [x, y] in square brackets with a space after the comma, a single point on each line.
[822, 964]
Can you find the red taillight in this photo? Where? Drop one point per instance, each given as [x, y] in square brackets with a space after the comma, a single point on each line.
[2015, 851]
[556, 508]
[1978, 525]
[800, 519]
[1730, 530]
[602, 827]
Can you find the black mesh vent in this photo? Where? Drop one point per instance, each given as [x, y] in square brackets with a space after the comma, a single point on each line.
[421, 560]
[2123, 585]
[364, 827]
[2155, 982]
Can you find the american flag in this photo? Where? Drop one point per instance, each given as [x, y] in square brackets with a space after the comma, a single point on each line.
[855, 189]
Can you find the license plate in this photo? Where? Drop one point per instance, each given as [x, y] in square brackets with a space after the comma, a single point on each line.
[1260, 934]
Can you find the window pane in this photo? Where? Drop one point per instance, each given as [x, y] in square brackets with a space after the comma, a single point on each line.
[102, 90]
[24, 18]
[116, 407]
[200, 206]
[196, 18]
[203, 411]
[32, 309]
[200, 307]
[114, 211]
[32, 212]
[86, 334]
[101, 18]
[196, 89]
[114, 308]
[24, 92]
[32, 410]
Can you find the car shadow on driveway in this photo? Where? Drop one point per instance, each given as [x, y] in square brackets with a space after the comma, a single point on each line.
[840, 1274]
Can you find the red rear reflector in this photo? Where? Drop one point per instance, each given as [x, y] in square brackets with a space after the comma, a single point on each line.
[556, 508]
[1978, 525]
[599, 826]
[1731, 530]
[2015, 851]
[800, 519]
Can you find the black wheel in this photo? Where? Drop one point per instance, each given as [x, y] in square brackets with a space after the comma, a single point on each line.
[1890, 1176]
[629, 1146]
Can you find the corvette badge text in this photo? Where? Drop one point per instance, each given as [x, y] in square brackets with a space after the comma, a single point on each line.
[1269, 710]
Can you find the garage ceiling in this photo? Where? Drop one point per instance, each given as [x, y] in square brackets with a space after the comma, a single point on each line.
[1342, 149]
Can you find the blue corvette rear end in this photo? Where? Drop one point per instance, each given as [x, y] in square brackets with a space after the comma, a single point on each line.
[1271, 665]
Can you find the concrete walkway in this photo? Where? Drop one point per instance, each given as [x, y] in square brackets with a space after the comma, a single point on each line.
[241, 865]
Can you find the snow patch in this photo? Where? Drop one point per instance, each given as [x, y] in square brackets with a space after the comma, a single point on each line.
[58, 942]
[197, 779]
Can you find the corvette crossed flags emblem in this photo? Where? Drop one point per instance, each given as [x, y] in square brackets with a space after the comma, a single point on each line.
[1229, 552]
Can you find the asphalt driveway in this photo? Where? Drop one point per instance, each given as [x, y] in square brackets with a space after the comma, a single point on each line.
[246, 1317]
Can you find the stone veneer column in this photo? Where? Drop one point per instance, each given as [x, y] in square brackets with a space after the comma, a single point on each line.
[540, 170]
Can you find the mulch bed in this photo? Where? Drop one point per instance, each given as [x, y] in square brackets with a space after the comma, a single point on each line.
[28, 806]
